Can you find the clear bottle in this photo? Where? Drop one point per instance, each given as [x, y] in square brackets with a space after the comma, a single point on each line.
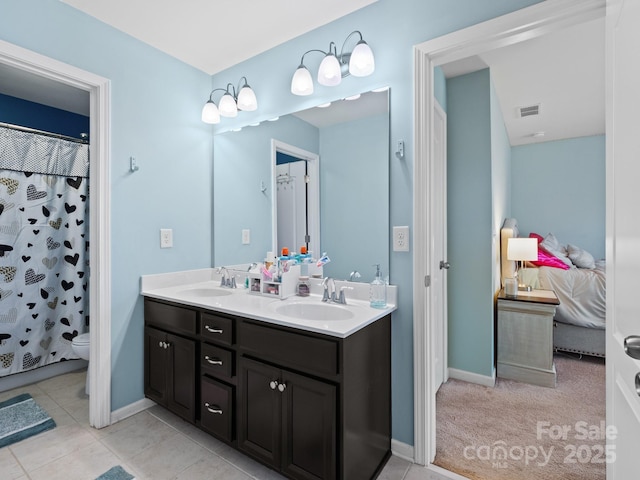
[303, 289]
[378, 290]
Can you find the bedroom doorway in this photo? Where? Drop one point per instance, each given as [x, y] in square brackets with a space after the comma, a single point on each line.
[53, 71]
[527, 23]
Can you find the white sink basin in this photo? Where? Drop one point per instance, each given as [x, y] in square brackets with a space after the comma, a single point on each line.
[205, 292]
[314, 311]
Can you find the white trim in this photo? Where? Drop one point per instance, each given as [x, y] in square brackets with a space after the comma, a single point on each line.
[527, 23]
[487, 381]
[402, 450]
[100, 228]
[131, 409]
[439, 473]
[313, 190]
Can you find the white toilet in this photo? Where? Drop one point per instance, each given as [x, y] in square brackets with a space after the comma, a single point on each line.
[80, 346]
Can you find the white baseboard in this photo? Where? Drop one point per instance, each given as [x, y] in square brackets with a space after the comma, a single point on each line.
[402, 450]
[437, 473]
[131, 409]
[487, 381]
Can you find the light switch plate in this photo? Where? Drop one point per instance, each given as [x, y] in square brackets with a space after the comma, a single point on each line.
[166, 238]
[400, 239]
[246, 236]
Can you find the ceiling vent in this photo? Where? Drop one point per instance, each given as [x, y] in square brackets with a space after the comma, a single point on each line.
[529, 111]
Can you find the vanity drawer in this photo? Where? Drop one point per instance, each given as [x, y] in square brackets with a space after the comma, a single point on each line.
[300, 351]
[216, 328]
[170, 317]
[216, 361]
[216, 412]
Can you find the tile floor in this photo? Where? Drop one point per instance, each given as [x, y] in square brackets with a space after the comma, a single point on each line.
[153, 444]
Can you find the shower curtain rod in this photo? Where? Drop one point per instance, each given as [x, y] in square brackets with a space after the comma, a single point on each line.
[46, 134]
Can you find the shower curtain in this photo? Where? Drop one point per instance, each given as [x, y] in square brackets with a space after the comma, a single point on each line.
[44, 246]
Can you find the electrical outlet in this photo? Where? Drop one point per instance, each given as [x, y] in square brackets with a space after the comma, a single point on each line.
[400, 239]
[166, 238]
[246, 236]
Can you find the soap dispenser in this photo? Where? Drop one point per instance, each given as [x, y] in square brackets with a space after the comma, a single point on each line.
[378, 290]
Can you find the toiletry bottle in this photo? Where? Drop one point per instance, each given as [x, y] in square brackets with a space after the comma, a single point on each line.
[304, 261]
[378, 290]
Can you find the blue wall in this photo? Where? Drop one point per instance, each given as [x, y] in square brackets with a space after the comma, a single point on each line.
[42, 117]
[469, 213]
[559, 187]
[156, 103]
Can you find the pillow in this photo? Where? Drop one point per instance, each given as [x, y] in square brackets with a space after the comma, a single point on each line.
[581, 258]
[545, 259]
[551, 245]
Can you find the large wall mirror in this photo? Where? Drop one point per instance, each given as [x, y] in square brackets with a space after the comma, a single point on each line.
[317, 177]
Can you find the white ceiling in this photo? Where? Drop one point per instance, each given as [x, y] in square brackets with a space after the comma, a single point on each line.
[215, 35]
[563, 72]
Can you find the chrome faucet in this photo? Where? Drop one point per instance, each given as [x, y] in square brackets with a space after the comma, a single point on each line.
[226, 280]
[329, 294]
[341, 298]
[354, 275]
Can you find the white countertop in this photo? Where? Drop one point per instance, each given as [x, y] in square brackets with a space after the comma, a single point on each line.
[201, 288]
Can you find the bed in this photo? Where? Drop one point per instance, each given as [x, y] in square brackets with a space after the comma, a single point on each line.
[580, 318]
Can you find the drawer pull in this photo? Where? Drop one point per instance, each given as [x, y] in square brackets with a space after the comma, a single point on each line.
[216, 409]
[213, 330]
[213, 361]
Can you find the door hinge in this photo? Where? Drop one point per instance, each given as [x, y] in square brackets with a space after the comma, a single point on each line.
[427, 280]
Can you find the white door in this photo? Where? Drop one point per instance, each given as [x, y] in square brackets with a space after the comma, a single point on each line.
[438, 291]
[623, 236]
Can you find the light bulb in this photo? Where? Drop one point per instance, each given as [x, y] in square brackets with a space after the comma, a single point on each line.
[361, 62]
[329, 73]
[210, 113]
[302, 83]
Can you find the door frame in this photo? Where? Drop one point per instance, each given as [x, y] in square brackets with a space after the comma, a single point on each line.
[524, 24]
[99, 89]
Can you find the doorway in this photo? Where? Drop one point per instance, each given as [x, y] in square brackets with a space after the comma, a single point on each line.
[528, 23]
[56, 72]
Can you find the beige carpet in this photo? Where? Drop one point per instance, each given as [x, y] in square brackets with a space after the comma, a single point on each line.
[521, 431]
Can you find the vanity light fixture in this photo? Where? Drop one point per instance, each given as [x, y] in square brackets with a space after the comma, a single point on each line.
[359, 63]
[230, 102]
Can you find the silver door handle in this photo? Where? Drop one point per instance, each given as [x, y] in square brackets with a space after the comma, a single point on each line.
[217, 410]
[632, 346]
[213, 361]
[444, 265]
[212, 330]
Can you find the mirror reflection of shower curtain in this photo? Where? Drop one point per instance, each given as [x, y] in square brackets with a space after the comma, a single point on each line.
[292, 205]
[44, 248]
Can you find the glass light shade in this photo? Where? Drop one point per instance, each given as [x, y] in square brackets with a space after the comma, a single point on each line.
[361, 62]
[329, 73]
[302, 83]
[228, 107]
[210, 113]
[247, 100]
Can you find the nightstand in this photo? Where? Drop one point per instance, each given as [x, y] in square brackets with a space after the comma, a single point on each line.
[525, 337]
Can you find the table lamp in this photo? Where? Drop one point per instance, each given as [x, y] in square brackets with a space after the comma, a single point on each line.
[521, 250]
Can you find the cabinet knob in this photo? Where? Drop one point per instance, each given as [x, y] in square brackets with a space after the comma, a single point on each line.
[212, 329]
[273, 384]
[282, 387]
[161, 344]
[213, 409]
[213, 361]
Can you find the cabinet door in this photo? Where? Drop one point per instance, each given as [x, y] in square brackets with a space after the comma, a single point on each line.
[309, 428]
[181, 371]
[259, 417]
[155, 375]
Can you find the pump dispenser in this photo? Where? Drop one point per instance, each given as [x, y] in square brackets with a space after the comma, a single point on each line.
[378, 290]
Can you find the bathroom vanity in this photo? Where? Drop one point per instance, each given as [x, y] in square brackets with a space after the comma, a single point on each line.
[280, 380]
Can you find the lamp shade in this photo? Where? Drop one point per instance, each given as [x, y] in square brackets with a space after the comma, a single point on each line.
[522, 249]
[329, 73]
[228, 107]
[302, 83]
[247, 100]
[210, 113]
[362, 62]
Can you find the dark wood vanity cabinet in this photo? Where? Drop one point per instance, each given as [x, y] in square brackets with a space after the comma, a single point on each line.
[170, 371]
[311, 406]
